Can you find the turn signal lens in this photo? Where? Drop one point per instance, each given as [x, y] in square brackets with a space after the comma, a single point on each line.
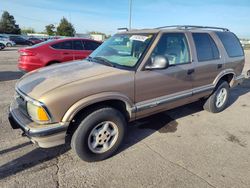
[37, 113]
[42, 115]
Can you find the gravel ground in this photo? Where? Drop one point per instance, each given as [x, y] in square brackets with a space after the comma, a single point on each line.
[184, 147]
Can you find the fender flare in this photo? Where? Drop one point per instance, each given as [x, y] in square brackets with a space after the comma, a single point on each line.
[98, 98]
[223, 73]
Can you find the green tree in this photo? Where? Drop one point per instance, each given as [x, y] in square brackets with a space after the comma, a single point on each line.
[27, 30]
[50, 29]
[65, 28]
[8, 24]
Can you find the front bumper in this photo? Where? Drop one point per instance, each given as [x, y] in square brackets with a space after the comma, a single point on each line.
[45, 136]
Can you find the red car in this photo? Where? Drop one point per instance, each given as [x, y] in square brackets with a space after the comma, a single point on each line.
[55, 51]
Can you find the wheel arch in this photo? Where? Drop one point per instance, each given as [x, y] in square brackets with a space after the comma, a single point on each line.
[116, 100]
[226, 75]
[81, 109]
[52, 62]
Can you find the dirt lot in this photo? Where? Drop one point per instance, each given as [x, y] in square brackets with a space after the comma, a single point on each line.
[184, 147]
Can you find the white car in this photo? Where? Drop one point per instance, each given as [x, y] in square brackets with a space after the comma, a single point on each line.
[7, 42]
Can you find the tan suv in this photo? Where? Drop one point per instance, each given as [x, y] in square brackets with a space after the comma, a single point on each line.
[134, 74]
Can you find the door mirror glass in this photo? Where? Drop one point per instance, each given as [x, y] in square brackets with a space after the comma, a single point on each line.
[158, 62]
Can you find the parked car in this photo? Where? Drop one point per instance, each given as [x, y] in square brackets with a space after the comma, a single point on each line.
[20, 41]
[132, 75]
[55, 51]
[35, 40]
[7, 42]
[2, 46]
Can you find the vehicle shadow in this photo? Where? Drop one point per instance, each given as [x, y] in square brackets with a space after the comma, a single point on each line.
[238, 91]
[10, 75]
[165, 122]
[14, 148]
[31, 159]
[9, 49]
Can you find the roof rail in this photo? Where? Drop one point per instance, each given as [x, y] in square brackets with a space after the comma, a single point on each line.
[193, 27]
[122, 28]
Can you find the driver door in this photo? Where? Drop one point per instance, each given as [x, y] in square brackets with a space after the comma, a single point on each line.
[161, 89]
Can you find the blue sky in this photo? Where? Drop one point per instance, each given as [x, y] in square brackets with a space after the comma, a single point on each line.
[108, 15]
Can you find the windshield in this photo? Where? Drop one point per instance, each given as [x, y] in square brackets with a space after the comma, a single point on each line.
[122, 49]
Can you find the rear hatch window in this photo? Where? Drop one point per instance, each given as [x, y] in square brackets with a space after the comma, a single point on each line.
[231, 43]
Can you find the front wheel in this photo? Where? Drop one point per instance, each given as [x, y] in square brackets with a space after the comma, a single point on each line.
[99, 134]
[218, 101]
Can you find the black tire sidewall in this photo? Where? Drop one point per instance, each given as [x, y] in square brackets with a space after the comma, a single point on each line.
[79, 140]
[220, 86]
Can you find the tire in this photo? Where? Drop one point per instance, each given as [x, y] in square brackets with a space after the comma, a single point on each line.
[218, 101]
[2, 47]
[8, 45]
[91, 135]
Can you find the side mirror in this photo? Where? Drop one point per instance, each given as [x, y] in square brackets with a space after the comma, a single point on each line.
[158, 62]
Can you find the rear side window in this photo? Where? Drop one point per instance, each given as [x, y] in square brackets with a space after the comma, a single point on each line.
[77, 45]
[205, 47]
[91, 45]
[231, 44]
[67, 45]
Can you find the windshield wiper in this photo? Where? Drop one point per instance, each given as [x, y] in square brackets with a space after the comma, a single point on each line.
[103, 60]
[89, 58]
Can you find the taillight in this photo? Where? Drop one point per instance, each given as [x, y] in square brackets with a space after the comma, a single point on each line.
[27, 53]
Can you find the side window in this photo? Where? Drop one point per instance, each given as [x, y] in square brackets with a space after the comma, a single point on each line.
[77, 45]
[231, 44]
[205, 47]
[56, 46]
[174, 47]
[90, 45]
[67, 45]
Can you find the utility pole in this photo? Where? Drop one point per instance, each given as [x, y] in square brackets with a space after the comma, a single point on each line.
[130, 13]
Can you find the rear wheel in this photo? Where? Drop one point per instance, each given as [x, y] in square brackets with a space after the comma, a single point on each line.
[8, 45]
[99, 134]
[218, 101]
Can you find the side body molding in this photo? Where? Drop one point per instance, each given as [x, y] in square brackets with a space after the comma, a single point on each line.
[96, 98]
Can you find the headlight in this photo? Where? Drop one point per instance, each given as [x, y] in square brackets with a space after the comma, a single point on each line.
[37, 113]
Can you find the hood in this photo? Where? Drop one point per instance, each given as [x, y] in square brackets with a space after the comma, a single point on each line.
[41, 81]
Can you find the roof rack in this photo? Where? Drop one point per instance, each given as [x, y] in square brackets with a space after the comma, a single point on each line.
[122, 28]
[192, 27]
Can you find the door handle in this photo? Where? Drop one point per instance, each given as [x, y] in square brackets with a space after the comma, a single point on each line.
[190, 71]
[219, 66]
[65, 53]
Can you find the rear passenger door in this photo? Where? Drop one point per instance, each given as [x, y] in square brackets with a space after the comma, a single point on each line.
[65, 49]
[79, 52]
[90, 46]
[207, 59]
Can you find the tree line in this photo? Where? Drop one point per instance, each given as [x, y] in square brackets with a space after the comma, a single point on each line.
[8, 26]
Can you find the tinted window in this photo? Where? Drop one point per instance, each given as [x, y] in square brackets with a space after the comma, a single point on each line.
[231, 44]
[77, 45]
[205, 47]
[67, 45]
[173, 46]
[90, 45]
